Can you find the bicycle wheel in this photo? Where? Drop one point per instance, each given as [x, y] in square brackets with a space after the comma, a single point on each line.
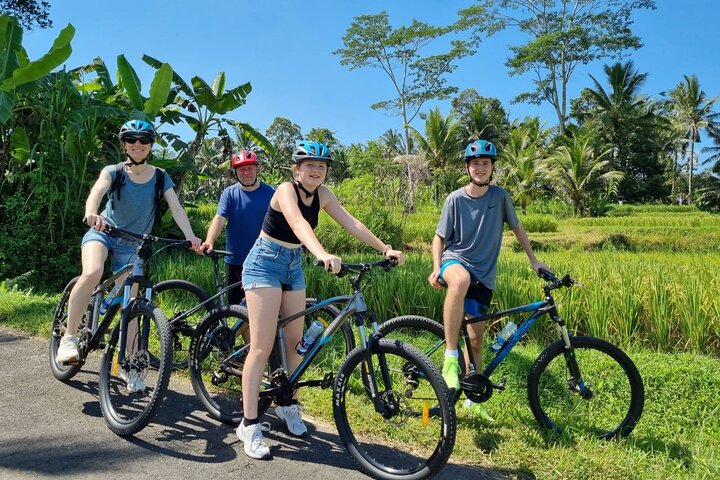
[606, 401]
[130, 395]
[426, 335]
[59, 326]
[413, 434]
[174, 297]
[217, 378]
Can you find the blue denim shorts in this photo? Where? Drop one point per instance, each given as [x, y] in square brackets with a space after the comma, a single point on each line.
[122, 250]
[478, 297]
[269, 265]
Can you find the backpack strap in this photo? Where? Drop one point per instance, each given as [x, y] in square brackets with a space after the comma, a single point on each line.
[159, 190]
[117, 182]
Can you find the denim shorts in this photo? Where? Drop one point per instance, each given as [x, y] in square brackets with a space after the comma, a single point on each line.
[271, 265]
[122, 250]
[478, 296]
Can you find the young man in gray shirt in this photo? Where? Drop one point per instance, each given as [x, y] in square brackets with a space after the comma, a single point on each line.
[465, 248]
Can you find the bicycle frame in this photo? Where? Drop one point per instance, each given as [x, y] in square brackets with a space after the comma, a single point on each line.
[135, 275]
[353, 304]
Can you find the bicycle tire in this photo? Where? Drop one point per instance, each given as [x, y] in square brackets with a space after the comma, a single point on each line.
[375, 441]
[127, 412]
[424, 334]
[60, 371]
[606, 370]
[220, 389]
[175, 296]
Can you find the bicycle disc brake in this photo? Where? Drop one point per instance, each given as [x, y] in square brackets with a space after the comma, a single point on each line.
[477, 387]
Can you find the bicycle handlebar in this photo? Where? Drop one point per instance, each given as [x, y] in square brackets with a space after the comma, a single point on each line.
[566, 281]
[115, 231]
[346, 268]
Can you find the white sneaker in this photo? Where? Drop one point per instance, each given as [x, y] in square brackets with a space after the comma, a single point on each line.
[293, 419]
[253, 441]
[68, 351]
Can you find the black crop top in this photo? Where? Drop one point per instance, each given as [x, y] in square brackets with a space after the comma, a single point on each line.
[276, 226]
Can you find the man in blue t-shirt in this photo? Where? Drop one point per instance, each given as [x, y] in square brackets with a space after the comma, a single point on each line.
[465, 250]
[243, 205]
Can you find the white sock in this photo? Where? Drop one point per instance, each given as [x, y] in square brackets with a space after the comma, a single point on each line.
[451, 353]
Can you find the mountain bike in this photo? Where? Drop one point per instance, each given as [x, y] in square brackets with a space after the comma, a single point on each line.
[385, 393]
[186, 303]
[130, 388]
[577, 384]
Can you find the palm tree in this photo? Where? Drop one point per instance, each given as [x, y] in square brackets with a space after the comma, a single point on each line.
[393, 143]
[694, 109]
[621, 111]
[578, 171]
[440, 145]
[520, 160]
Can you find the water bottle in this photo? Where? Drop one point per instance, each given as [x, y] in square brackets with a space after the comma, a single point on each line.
[108, 299]
[310, 336]
[508, 331]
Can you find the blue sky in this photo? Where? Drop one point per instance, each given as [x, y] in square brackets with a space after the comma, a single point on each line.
[284, 48]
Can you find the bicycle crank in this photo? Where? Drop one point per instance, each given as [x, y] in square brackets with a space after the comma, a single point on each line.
[477, 387]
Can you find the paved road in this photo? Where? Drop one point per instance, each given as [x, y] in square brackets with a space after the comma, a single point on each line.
[52, 429]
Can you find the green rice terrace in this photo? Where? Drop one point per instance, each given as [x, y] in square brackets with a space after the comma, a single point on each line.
[650, 282]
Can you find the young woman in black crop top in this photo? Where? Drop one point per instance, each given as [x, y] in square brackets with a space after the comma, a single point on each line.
[274, 282]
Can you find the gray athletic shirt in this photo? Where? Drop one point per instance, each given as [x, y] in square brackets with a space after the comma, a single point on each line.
[473, 228]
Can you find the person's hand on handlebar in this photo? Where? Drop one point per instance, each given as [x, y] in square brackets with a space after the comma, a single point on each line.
[206, 247]
[397, 254]
[332, 263]
[538, 265]
[95, 221]
[196, 244]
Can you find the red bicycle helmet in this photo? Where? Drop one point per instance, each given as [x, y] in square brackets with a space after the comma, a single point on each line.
[244, 157]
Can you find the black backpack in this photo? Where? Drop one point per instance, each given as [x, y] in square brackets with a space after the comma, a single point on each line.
[119, 181]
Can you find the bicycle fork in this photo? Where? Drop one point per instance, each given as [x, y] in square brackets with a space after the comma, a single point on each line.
[575, 382]
[386, 405]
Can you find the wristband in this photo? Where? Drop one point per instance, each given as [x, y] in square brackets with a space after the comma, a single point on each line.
[387, 249]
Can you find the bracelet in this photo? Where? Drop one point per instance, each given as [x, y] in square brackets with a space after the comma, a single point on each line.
[387, 249]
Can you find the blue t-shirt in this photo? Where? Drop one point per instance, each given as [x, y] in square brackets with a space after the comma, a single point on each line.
[134, 210]
[245, 212]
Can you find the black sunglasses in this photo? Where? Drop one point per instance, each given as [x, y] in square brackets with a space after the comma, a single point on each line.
[143, 140]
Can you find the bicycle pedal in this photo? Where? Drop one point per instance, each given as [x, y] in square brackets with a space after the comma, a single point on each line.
[327, 381]
[499, 386]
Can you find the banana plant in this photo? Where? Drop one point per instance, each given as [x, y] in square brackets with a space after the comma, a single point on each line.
[203, 105]
[17, 70]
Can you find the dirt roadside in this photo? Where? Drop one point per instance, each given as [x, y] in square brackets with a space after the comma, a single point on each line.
[52, 429]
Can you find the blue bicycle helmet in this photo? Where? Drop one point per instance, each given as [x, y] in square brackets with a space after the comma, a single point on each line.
[139, 128]
[480, 148]
[307, 150]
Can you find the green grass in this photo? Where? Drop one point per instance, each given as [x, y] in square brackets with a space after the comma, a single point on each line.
[650, 275]
[677, 437]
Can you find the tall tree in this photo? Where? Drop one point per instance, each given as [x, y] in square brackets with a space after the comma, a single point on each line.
[371, 41]
[562, 35]
[695, 111]
[578, 171]
[440, 145]
[520, 160]
[480, 117]
[393, 143]
[30, 13]
[625, 120]
[283, 134]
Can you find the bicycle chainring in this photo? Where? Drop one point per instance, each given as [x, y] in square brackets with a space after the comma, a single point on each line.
[477, 387]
